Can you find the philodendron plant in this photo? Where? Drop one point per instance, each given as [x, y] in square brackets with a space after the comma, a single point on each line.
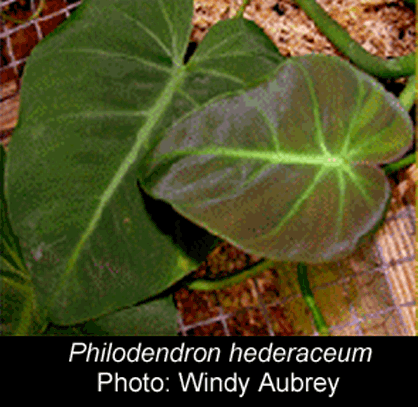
[129, 162]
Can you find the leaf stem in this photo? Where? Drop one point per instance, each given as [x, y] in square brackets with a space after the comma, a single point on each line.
[36, 14]
[307, 294]
[407, 96]
[240, 12]
[404, 162]
[258, 268]
[251, 271]
[391, 68]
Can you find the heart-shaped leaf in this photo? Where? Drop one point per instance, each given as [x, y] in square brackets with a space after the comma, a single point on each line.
[289, 169]
[96, 94]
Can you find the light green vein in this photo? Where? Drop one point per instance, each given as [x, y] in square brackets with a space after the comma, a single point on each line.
[355, 118]
[5, 265]
[227, 55]
[213, 72]
[342, 187]
[255, 173]
[230, 192]
[372, 106]
[94, 114]
[207, 55]
[149, 32]
[367, 142]
[296, 206]
[315, 107]
[119, 55]
[267, 121]
[27, 315]
[11, 249]
[91, 115]
[270, 157]
[359, 186]
[154, 117]
[175, 56]
[188, 97]
[199, 202]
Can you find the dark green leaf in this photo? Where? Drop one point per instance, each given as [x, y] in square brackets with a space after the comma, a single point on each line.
[157, 317]
[96, 95]
[88, 328]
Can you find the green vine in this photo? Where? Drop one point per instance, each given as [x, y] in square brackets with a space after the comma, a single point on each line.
[307, 295]
[407, 97]
[407, 100]
[249, 272]
[258, 268]
[240, 12]
[398, 165]
[391, 68]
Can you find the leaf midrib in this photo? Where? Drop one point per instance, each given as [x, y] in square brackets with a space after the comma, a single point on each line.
[142, 138]
[274, 158]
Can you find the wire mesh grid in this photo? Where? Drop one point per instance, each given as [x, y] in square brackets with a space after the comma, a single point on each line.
[16, 62]
[382, 302]
[381, 310]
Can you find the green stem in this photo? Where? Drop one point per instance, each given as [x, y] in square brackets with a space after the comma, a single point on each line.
[26, 315]
[252, 271]
[34, 15]
[240, 12]
[404, 162]
[256, 269]
[307, 294]
[391, 68]
[407, 96]
[407, 100]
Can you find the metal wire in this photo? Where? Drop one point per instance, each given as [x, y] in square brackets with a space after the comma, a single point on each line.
[6, 33]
